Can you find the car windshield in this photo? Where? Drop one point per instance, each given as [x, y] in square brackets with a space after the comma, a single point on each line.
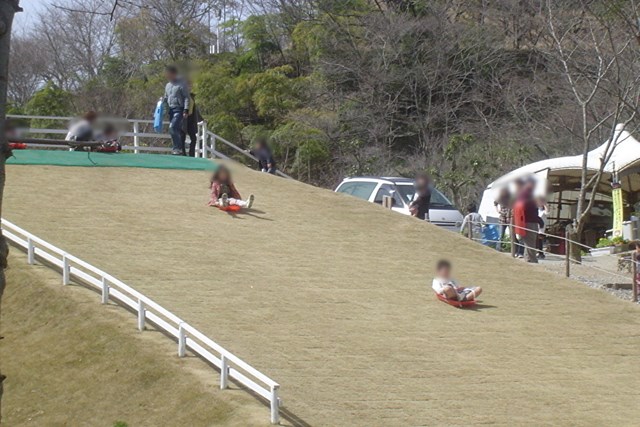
[437, 198]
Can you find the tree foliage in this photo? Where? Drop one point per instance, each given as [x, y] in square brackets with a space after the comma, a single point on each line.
[466, 90]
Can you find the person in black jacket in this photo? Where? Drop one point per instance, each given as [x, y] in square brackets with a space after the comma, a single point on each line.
[420, 205]
[190, 126]
[265, 158]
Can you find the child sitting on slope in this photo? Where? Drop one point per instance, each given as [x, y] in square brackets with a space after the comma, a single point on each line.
[443, 284]
[224, 193]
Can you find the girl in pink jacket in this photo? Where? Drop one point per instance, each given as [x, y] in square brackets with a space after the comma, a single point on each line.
[224, 192]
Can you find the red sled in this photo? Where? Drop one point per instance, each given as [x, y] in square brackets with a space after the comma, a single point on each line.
[455, 302]
[17, 145]
[230, 208]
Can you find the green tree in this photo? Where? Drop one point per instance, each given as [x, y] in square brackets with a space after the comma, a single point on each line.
[467, 164]
[274, 94]
[49, 101]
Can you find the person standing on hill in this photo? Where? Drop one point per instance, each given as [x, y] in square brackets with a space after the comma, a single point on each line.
[176, 97]
[262, 152]
[518, 239]
[422, 199]
[503, 207]
[473, 223]
[526, 210]
[190, 126]
[542, 214]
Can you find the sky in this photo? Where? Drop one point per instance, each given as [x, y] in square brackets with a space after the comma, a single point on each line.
[31, 8]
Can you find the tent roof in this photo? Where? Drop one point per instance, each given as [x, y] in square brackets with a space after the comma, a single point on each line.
[625, 157]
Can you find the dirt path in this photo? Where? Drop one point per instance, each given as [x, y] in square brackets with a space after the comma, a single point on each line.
[330, 296]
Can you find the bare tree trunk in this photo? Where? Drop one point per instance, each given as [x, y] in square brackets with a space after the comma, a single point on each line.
[7, 10]
[575, 250]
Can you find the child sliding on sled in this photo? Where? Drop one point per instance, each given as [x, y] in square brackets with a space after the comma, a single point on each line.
[443, 284]
[224, 193]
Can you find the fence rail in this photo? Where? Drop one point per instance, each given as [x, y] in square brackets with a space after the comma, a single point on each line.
[147, 310]
[568, 261]
[206, 141]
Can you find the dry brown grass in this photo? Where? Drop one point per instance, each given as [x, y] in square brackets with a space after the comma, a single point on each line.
[330, 296]
[71, 362]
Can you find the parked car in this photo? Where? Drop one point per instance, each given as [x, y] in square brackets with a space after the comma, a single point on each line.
[402, 191]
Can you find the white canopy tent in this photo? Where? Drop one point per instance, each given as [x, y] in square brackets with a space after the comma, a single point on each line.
[563, 173]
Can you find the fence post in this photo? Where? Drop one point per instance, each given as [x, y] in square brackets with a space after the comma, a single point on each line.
[66, 270]
[105, 291]
[634, 270]
[31, 253]
[275, 404]
[136, 138]
[141, 315]
[205, 147]
[199, 140]
[213, 146]
[470, 232]
[512, 238]
[567, 252]
[224, 372]
[182, 341]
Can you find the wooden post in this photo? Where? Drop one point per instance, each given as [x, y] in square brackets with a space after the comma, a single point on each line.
[567, 252]
[470, 232]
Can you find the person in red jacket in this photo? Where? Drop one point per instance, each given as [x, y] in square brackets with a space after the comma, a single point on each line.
[527, 221]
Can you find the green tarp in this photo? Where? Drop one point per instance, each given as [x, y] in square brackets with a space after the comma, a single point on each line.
[120, 160]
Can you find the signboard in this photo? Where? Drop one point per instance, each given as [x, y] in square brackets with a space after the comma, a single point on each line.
[616, 195]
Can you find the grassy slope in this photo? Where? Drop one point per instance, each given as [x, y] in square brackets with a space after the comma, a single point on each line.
[70, 361]
[330, 296]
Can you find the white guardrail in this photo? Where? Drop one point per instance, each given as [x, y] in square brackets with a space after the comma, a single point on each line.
[188, 337]
[206, 143]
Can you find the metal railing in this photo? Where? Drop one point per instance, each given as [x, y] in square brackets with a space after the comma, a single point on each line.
[217, 138]
[147, 310]
[206, 141]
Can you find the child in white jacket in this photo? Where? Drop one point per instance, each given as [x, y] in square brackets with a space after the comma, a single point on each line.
[443, 284]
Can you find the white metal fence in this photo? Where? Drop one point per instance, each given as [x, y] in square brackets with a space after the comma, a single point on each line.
[141, 132]
[147, 310]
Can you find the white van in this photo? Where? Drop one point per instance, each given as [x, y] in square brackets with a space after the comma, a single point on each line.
[402, 191]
